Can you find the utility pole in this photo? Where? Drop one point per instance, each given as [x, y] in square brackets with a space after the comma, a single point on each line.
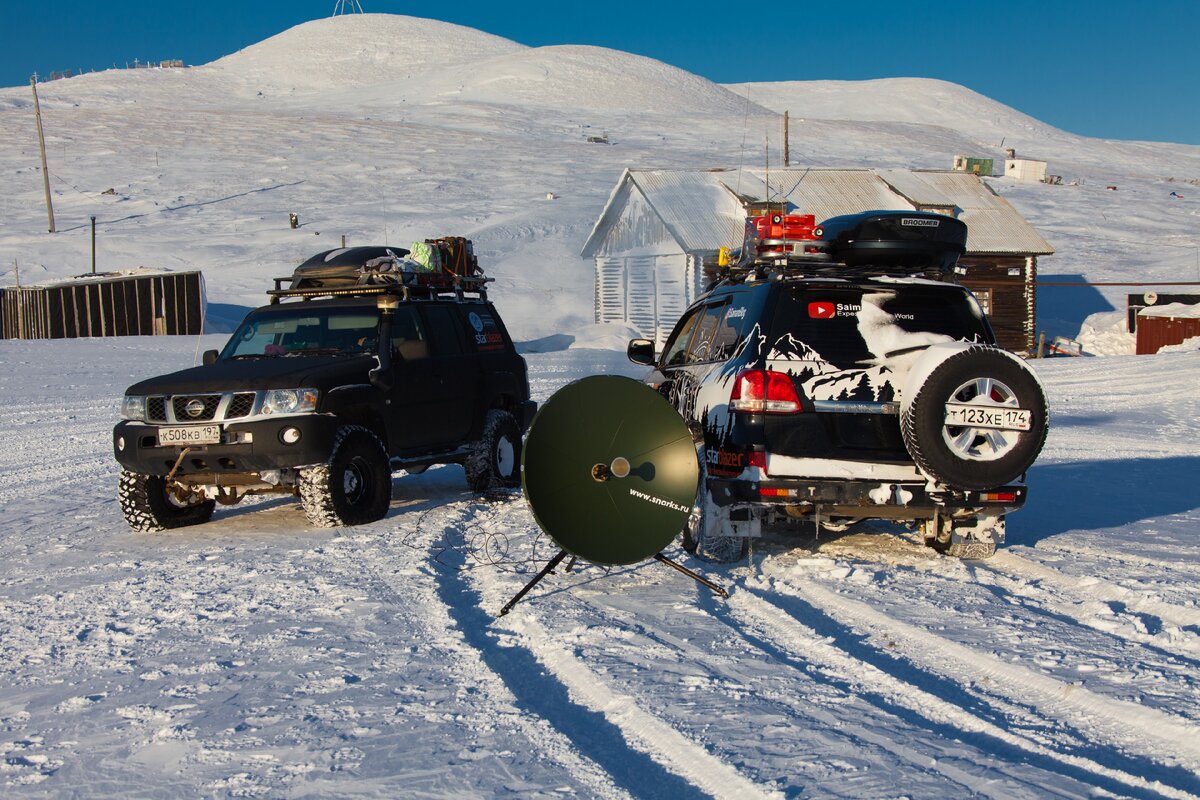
[787, 158]
[37, 111]
[93, 244]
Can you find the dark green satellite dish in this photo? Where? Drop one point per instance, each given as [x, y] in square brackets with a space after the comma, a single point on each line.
[610, 470]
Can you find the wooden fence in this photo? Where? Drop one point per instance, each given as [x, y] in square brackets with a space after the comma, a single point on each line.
[160, 304]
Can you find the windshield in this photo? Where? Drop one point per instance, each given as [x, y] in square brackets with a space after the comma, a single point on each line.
[302, 331]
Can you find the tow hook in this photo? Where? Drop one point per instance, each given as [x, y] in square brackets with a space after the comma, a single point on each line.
[184, 494]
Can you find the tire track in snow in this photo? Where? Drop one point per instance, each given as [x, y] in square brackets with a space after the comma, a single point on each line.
[1134, 730]
[866, 734]
[1092, 588]
[677, 765]
[774, 624]
[446, 632]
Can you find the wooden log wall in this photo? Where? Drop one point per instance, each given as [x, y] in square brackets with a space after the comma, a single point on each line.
[1006, 287]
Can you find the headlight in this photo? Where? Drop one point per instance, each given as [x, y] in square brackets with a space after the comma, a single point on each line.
[133, 407]
[289, 401]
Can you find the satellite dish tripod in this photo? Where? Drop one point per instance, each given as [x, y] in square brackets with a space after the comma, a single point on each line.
[554, 562]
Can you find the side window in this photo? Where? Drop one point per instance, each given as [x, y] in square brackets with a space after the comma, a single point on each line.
[408, 338]
[676, 349]
[444, 335]
[702, 343]
[729, 331]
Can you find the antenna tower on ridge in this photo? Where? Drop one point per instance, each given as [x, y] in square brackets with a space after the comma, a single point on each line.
[347, 7]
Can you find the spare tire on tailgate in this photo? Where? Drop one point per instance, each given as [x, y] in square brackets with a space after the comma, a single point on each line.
[976, 420]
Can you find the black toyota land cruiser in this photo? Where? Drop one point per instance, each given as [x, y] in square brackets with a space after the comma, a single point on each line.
[360, 367]
[851, 387]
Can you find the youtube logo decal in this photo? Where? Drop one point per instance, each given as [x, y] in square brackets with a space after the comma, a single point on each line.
[821, 310]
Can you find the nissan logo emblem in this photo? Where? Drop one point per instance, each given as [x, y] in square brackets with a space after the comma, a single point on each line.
[194, 408]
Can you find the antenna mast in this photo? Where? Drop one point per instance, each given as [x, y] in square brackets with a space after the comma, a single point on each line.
[347, 7]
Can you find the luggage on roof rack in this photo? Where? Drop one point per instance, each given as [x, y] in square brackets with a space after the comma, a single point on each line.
[911, 240]
[443, 266]
[867, 244]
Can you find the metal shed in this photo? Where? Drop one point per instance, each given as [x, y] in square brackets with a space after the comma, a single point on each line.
[134, 303]
[1166, 325]
[655, 244]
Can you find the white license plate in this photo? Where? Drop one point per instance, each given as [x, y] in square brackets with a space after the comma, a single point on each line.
[1005, 419]
[192, 434]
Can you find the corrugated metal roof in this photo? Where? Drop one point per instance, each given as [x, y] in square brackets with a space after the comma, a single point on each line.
[695, 207]
[700, 209]
[824, 193]
[920, 192]
[993, 225]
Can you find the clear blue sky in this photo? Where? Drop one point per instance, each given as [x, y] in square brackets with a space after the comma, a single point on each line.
[1121, 70]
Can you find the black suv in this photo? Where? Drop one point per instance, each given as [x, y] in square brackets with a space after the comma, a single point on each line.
[836, 391]
[357, 369]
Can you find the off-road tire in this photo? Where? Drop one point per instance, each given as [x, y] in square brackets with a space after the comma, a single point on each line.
[148, 506]
[354, 487]
[923, 421]
[701, 536]
[495, 460]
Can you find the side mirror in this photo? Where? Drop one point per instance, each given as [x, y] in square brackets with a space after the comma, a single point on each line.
[209, 357]
[641, 351]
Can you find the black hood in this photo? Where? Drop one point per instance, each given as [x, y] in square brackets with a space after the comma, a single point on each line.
[285, 372]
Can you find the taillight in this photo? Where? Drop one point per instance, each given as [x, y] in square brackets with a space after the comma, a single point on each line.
[998, 497]
[761, 391]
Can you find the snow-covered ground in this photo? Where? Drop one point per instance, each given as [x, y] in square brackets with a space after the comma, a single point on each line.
[254, 656]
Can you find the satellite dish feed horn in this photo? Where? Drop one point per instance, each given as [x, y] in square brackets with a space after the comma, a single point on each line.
[610, 471]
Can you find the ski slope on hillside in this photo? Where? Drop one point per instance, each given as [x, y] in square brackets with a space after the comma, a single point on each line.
[256, 656]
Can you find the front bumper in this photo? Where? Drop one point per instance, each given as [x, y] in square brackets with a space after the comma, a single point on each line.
[245, 447]
[866, 499]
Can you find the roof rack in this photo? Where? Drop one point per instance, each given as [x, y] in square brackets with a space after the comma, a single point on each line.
[791, 267]
[407, 285]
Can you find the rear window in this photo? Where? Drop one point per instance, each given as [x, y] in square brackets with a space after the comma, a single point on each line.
[852, 326]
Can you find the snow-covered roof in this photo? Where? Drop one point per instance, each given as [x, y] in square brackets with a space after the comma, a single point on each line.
[697, 210]
[824, 193]
[993, 225]
[702, 208]
[1173, 310]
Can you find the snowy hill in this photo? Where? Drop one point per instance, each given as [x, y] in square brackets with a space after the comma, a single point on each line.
[386, 128]
[357, 49]
[988, 127]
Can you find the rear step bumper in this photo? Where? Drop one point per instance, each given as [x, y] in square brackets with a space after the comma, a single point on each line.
[881, 499]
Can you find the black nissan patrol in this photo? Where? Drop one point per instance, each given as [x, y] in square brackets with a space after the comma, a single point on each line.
[362, 366]
[847, 385]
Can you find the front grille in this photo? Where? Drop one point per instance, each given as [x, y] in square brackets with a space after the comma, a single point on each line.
[179, 405]
[215, 407]
[241, 405]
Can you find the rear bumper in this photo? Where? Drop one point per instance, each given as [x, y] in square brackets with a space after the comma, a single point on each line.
[868, 499]
[245, 447]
